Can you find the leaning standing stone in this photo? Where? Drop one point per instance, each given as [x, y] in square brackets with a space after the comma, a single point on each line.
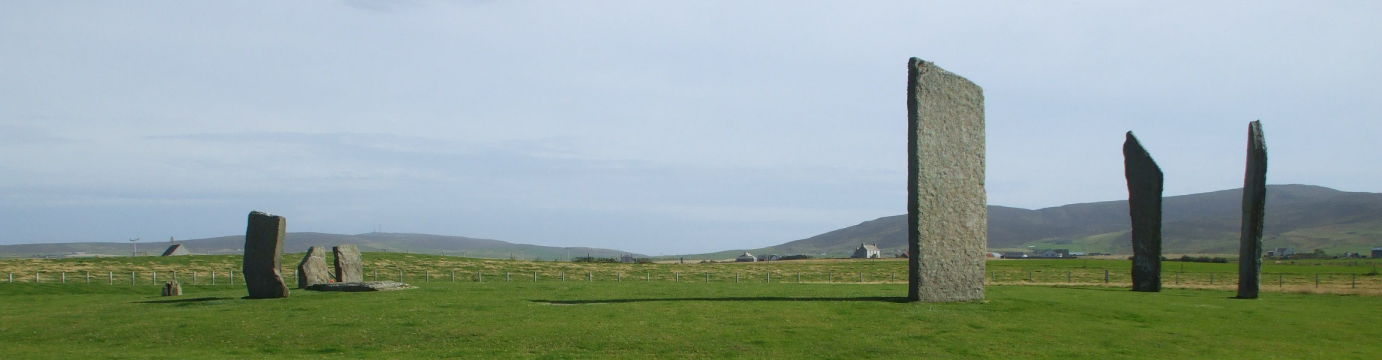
[263, 247]
[947, 216]
[1254, 209]
[349, 268]
[312, 270]
[1144, 206]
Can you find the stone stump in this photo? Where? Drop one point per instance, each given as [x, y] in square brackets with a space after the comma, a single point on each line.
[312, 270]
[263, 248]
[349, 267]
[1254, 210]
[172, 288]
[1144, 207]
[947, 217]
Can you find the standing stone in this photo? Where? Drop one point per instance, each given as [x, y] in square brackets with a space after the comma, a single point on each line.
[312, 270]
[263, 247]
[172, 288]
[1144, 206]
[947, 217]
[349, 268]
[1254, 209]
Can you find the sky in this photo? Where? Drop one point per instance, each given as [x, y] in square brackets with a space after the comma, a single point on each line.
[659, 127]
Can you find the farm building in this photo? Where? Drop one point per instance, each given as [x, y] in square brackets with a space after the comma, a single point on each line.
[176, 250]
[747, 257]
[869, 251]
[1376, 253]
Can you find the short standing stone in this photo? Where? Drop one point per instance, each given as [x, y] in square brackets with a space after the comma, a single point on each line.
[349, 267]
[263, 248]
[947, 217]
[312, 270]
[172, 288]
[1144, 207]
[1254, 210]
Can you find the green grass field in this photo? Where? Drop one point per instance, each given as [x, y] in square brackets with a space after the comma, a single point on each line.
[658, 317]
[679, 320]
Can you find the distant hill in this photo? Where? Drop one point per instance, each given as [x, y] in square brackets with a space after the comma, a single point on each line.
[300, 241]
[1303, 217]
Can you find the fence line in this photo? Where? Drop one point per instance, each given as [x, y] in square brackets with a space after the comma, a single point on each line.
[1010, 276]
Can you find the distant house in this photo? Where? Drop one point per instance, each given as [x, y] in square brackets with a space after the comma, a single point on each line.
[1014, 255]
[1376, 253]
[747, 257]
[867, 251]
[1281, 252]
[176, 250]
[773, 257]
[626, 258]
[1053, 253]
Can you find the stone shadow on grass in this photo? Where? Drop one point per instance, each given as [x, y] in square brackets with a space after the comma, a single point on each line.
[893, 299]
[178, 301]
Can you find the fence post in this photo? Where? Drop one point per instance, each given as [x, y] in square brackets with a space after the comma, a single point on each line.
[480, 275]
[678, 277]
[231, 274]
[770, 277]
[1211, 278]
[1068, 277]
[175, 276]
[589, 276]
[830, 276]
[736, 278]
[132, 278]
[618, 276]
[506, 276]
[400, 275]
[1354, 283]
[648, 276]
[798, 278]
[534, 276]
[64, 277]
[1029, 276]
[194, 278]
[707, 277]
[111, 276]
[1106, 276]
[153, 278]
[563, 276]
[426, 275]
[1279, 281]
[453, 275]
[36, 278]
[88, 277]
[11, 276]
[1317, 279]
[1177, 278]
[376, 274]
[861, 276]
[892, 276]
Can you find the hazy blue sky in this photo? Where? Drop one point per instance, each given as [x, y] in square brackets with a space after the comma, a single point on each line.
[652, 126]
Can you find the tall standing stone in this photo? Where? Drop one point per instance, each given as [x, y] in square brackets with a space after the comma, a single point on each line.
[1144, 206]
[349, 268]
[312, 270]
[263, 247]
[947, 217]
[1254, 210]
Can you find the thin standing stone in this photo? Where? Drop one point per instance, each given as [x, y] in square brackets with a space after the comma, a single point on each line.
[1254, 210]
[349, 267]
[312, 270]
[947, 214]
[1144, 207]
[263, 250]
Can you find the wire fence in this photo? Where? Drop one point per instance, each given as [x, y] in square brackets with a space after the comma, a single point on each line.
[1327, 282]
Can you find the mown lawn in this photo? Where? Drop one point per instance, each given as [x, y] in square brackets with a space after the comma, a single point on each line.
[664, 319]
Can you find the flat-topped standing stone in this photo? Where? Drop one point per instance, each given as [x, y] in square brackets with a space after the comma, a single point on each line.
[263, 247]
[312, 270]
[947, 217]
[1144, 206]
[349, 268]
[1254, 210]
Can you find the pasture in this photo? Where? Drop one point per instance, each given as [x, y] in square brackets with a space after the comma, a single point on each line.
[637, 311]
